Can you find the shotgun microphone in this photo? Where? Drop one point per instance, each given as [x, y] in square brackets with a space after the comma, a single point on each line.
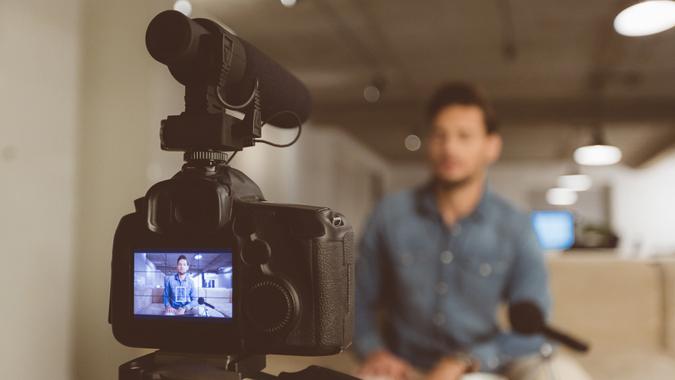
[199, 51]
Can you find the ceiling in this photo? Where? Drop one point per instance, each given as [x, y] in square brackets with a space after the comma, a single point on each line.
[204, 262]
[551, 68]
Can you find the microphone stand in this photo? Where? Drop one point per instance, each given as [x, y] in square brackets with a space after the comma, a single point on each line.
[202, 302]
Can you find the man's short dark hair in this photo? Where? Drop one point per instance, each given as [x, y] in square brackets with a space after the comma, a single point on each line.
[182, 257]
[464, 94]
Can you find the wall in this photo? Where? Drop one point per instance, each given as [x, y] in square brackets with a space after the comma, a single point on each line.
[644, 204]
[124, 95]
[39, 63]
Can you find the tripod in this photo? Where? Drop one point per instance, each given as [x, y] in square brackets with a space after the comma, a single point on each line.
[162, 365]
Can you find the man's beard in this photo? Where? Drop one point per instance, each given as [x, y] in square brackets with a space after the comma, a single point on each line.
[453, 184]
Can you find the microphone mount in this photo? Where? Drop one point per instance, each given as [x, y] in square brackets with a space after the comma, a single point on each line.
[206, 125]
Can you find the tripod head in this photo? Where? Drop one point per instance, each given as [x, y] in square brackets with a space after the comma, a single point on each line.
[170, 366]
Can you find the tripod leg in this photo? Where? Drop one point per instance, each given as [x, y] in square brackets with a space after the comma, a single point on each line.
[176, 366]
[136, 369]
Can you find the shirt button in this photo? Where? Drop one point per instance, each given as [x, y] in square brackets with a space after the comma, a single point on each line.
[447, 257]
[485, 269]
[439, 319]
[546, 350]
[441, 288]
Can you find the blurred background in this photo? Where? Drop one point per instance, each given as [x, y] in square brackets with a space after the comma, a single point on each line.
[81, 104]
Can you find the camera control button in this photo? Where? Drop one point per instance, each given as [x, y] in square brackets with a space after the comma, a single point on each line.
[257, 252]
[270, 306]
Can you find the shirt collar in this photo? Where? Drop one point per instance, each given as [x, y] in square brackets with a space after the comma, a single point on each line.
[426, 202]
[178, 278]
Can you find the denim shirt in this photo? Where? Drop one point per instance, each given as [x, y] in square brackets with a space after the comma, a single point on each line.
[440, 287]
[185, 298]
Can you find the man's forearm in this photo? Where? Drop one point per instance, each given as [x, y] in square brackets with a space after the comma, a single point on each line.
[367, 338]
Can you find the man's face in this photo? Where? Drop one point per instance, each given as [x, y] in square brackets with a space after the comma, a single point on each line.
[182, 266]
[459, 147]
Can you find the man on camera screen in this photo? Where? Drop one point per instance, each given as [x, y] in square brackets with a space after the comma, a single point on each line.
[437, 261]
[179, 290]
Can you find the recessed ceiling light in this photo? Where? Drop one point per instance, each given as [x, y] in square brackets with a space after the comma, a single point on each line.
[371, 93]
[183, 6]
[645, 18]
[289, 3]
[412, 142]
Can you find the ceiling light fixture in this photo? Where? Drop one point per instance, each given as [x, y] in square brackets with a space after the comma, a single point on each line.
[597, 153]
[183, 6]
[289, 3]
[559, 196]
[645, 18]
[412, 142]
[373, 91]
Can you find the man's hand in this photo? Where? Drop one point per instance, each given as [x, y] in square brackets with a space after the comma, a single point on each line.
[180, 311]
[170, 310]
[383, 364]
[449, 369]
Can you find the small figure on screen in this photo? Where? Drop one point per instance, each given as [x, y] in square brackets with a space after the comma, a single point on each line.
[179, 291]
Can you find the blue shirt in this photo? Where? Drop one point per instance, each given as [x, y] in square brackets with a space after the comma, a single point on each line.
[440, 287]
[179, 293]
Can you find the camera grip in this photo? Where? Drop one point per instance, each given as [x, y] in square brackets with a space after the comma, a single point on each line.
[334, 280]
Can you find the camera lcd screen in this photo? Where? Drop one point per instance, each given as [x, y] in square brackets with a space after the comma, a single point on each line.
[183, 284]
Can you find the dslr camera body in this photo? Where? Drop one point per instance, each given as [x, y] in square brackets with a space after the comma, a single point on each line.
[291, 268]
[204, 266]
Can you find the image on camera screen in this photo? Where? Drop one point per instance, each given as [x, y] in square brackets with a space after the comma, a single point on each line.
[183, 284]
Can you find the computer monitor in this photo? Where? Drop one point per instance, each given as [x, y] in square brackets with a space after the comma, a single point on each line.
[554, 229]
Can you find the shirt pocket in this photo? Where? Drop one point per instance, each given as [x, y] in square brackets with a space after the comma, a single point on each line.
[484, 278]
[414, 276]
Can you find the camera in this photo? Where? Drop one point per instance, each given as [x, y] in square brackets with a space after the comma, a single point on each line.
[280, 275]
[204, 265]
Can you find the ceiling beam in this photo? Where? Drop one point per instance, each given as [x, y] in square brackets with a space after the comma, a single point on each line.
[541, 112]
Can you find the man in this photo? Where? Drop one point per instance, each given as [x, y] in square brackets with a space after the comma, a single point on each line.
[437, 261]
[179, 290]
